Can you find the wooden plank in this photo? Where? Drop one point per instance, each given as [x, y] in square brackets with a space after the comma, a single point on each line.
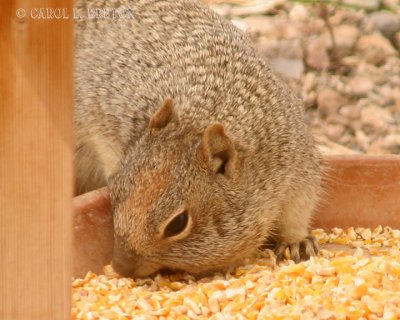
[36, 106]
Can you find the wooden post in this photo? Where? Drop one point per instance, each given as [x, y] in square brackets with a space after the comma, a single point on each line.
[36, 107]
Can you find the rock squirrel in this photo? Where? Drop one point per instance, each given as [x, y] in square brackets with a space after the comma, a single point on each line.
[204, 148]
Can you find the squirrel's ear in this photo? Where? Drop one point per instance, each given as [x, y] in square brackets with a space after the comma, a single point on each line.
[218, 150]
[163, 116]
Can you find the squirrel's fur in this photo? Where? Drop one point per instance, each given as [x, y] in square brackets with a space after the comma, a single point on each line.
[176, 112]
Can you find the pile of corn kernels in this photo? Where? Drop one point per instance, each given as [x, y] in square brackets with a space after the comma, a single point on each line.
[357, 278]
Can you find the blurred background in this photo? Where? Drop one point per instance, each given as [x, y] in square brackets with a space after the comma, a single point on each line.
[341, 57]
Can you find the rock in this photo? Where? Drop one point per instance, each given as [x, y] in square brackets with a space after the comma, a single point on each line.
[329, 101]
[345, 37]
[327, 146]
[396, 40]
[292, 68]
[396, 98]
[337, 118]
[346, 139]
[274, 48]
[309, 81]
[387, 94]
[351, 112]
[256, 7]
[367, 26]
[239, 23]
[352, 17]
[299, 13]
[362, 139]
[311, 99]
[375, 48]
[386, 22]
[317, 54]
[392, 142]
[363, 4]
[334, 131]
[263, 25]
[271, 27]
[377, 147]
[376, 117]
[392, 5]
[351, 61]
[355, 125]
[222, 9]
[285, 56]
[268, 47]
[360, 86]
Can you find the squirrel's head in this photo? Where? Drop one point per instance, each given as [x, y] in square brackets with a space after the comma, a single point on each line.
[179, 202]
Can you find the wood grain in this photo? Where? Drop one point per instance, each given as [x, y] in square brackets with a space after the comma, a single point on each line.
[360, 191]
[36, 107]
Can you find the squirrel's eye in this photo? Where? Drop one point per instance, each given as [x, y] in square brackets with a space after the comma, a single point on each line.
[177, 224]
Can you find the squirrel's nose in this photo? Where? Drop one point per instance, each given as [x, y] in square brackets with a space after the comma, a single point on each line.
[124, 262]
[122, 268]
[129, 264]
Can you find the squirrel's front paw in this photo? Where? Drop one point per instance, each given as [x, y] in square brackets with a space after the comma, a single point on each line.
[298, 251]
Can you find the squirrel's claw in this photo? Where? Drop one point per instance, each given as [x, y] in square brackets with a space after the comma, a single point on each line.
[298, 251]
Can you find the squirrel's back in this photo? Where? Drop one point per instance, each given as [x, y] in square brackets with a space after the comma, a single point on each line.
[180, 49]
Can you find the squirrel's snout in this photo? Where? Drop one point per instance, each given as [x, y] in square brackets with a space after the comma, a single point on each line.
[122, 267]
[124, 262]
[129, 264]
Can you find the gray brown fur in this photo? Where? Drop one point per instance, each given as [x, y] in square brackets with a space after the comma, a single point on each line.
[125, 69]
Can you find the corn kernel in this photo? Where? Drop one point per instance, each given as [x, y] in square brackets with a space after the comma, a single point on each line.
[342, 284]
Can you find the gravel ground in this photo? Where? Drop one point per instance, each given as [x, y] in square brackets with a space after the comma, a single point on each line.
[341, 58]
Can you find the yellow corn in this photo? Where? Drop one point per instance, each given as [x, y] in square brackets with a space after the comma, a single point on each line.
[361, 283]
